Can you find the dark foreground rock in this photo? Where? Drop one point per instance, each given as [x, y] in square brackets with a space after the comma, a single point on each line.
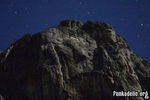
[73, 61]
[1, 97]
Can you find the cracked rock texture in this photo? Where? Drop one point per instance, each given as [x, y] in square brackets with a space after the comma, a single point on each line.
[72, 61]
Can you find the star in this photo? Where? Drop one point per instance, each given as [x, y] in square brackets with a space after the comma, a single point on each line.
[138, 36]
[10, 5]
[147, 25]
[88, 13]
[144, 46]
[142, 24]
[46, 24]
[41, 6]
[122, 19]
[27, 10]
[28, 13]
[27, 26]
[80, 2]
[16, 12]
[136, 0]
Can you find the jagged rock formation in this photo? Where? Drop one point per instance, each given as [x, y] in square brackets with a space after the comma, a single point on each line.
[72, 61]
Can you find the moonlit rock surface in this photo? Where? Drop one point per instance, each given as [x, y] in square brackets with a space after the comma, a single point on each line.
[72, 61]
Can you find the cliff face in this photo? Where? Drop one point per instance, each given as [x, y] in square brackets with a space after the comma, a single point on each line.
[72, 61]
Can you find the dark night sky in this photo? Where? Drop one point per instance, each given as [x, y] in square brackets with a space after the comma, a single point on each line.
[129, 18]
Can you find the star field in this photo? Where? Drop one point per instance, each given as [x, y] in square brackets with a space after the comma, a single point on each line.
[129, 18]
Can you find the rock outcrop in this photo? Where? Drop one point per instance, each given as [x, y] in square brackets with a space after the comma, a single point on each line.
[72, 61]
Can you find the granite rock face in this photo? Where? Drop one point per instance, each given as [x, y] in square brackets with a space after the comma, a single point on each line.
[72, 61]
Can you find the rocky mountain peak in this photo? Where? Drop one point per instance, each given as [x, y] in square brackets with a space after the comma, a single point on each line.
[72, 61]
[71, 23]
[96, 25]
